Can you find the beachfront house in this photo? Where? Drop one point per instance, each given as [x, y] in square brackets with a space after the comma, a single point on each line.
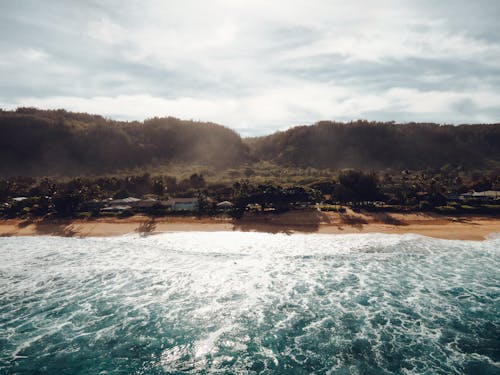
[19, 199]
[481, 196]
[116, 208]
[129, 201]
[487, 195]
[147, 203]
[225, 206]
[182, 204]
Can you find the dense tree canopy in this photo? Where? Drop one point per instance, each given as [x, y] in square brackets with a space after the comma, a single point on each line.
[373, 145]
[56, 142]
[36, 142]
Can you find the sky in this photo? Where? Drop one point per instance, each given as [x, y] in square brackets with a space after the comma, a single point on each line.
[255, 66]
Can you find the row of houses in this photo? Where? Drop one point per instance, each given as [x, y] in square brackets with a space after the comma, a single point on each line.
[132, 203]
[477, 196]
[145, 204]
[191, 204]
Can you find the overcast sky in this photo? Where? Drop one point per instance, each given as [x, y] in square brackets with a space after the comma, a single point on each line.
[255, 66]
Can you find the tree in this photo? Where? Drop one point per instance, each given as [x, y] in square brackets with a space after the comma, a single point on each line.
[357, 186]
[68, 203]
[159, 187]
[197, 181]
[171, 184]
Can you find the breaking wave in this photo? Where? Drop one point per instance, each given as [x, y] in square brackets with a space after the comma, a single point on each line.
[234, 302]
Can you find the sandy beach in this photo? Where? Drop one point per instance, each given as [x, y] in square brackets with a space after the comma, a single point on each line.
[309, 221]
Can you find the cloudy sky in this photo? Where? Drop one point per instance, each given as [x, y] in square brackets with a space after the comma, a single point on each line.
[255, 66]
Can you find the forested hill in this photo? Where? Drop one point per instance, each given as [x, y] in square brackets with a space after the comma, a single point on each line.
[374, 145]
[48, 142]
[41, 142]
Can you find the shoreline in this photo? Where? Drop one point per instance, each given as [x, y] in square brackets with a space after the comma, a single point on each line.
[470, 227]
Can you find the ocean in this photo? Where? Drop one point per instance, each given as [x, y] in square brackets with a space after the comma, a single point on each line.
[238, 303]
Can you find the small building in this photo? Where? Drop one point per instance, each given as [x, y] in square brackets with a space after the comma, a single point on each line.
[225, 205]
[146, 203]
[483, 196]
[129, 201]
[182, 204]
[19, 199]
[116, 208]
[488, 195]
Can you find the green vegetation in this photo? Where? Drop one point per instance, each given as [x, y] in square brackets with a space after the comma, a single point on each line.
[68, 164]
[41, 143]
[407, 191]
[375, 145]
[60, 143]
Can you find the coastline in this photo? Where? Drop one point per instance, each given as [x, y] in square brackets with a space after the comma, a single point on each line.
[471, 227]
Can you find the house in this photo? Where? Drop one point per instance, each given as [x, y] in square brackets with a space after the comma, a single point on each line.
[182, 204]
[19, 199]
[116, 208]
[225, 205]
[146, 203]
[483, 196]
[129, 201]
[20, 202]
[488, 195]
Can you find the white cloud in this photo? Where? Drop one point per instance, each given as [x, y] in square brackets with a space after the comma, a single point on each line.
[281, 107]
[28, 55]
[34, 54]
[107, 31]
[256, 64]
[394, 41]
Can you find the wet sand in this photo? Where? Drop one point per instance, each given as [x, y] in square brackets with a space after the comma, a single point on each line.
[306, 221]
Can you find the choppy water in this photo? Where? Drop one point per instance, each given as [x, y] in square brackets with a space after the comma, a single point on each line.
[249, 303]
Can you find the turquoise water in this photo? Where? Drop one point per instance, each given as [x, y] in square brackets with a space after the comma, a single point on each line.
[249, 303]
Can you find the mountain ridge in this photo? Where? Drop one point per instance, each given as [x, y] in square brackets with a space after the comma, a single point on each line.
[44, 142]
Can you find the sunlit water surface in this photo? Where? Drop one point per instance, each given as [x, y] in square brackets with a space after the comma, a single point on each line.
[249, 303]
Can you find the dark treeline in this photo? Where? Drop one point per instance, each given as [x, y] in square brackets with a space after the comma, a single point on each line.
[56, 142]
[374, 145]
[48, 142]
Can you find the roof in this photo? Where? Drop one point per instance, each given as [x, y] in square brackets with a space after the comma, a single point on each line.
[19, 199]
[225, 204]
[125, 200]
[182, 200]
[117, 208]
[487, 193]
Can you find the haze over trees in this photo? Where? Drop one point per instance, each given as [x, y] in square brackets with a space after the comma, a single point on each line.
[38, 142]
[55, 162]
[377, 145]
[56, 142]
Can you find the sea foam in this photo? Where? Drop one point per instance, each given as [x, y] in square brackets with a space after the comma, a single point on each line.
[233, 302]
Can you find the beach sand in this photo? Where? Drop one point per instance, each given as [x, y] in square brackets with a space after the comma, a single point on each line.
[305, 221]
